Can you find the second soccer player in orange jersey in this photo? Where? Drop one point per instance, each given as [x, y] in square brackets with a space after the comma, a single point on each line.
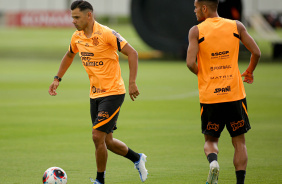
[215, 44]
[97, 46]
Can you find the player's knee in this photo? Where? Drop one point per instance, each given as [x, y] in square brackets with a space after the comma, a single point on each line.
[211, 146]
[97, 139]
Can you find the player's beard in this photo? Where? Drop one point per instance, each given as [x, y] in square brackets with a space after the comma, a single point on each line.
[80, 28]
[200, 16]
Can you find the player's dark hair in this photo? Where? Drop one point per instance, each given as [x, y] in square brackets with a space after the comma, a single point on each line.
[213, 3]
[82, 5]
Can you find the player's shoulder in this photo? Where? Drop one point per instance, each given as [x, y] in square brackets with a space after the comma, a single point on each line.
[102, 29]
[194, 31]
[239, 24]
[202, 25]
[108, 32]
[240, 27]
[230, 22]
[194, 28]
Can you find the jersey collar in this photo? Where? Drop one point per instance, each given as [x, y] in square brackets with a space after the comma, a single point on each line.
[95, 28]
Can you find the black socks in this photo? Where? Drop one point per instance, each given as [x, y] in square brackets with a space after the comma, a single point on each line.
[133, 156]
[211, 157]
[240, 175]
[101, 177]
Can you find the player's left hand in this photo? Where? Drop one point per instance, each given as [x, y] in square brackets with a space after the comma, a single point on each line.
[249, 77]
[133, 91]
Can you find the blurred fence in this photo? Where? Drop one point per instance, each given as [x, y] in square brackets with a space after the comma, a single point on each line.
[39, 19]
[47, 12]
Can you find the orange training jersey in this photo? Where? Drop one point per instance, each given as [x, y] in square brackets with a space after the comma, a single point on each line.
[100, 59]
[219, 78]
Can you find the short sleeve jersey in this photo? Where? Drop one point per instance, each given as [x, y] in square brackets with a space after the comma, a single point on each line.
[100, 59]
[219, 78]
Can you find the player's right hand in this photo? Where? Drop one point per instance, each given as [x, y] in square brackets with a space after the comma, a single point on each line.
[249, 77]
[53, 87]
[133, 91]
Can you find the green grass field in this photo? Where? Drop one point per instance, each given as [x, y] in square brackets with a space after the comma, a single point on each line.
[39, 131]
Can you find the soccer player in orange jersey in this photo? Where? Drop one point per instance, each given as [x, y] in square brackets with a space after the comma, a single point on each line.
[97, 46]
[215, 44]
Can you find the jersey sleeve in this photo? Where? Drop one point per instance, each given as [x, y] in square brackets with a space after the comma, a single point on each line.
[72, 47]
[115, 39]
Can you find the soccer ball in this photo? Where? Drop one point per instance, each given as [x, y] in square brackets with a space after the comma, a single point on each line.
[55, 175]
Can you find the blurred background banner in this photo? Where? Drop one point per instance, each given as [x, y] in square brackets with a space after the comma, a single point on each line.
[236, 9]
[39, 19]
[163, 25]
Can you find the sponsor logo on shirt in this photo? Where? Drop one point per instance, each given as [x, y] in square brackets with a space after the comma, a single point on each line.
[223, 67]
[98, 33]
[119, 37]
[220, 55]
[224, 77]
[97, 90]
[87, 54]
[222, 90]
[86, 59]
[92, 63]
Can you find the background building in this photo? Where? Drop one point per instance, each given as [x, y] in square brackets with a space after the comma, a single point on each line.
[122, 7]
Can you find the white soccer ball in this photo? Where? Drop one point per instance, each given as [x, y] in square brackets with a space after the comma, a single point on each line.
[55, 175]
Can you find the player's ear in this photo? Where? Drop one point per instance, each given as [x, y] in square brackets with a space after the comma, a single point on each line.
[89, 14]
[204, 8]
